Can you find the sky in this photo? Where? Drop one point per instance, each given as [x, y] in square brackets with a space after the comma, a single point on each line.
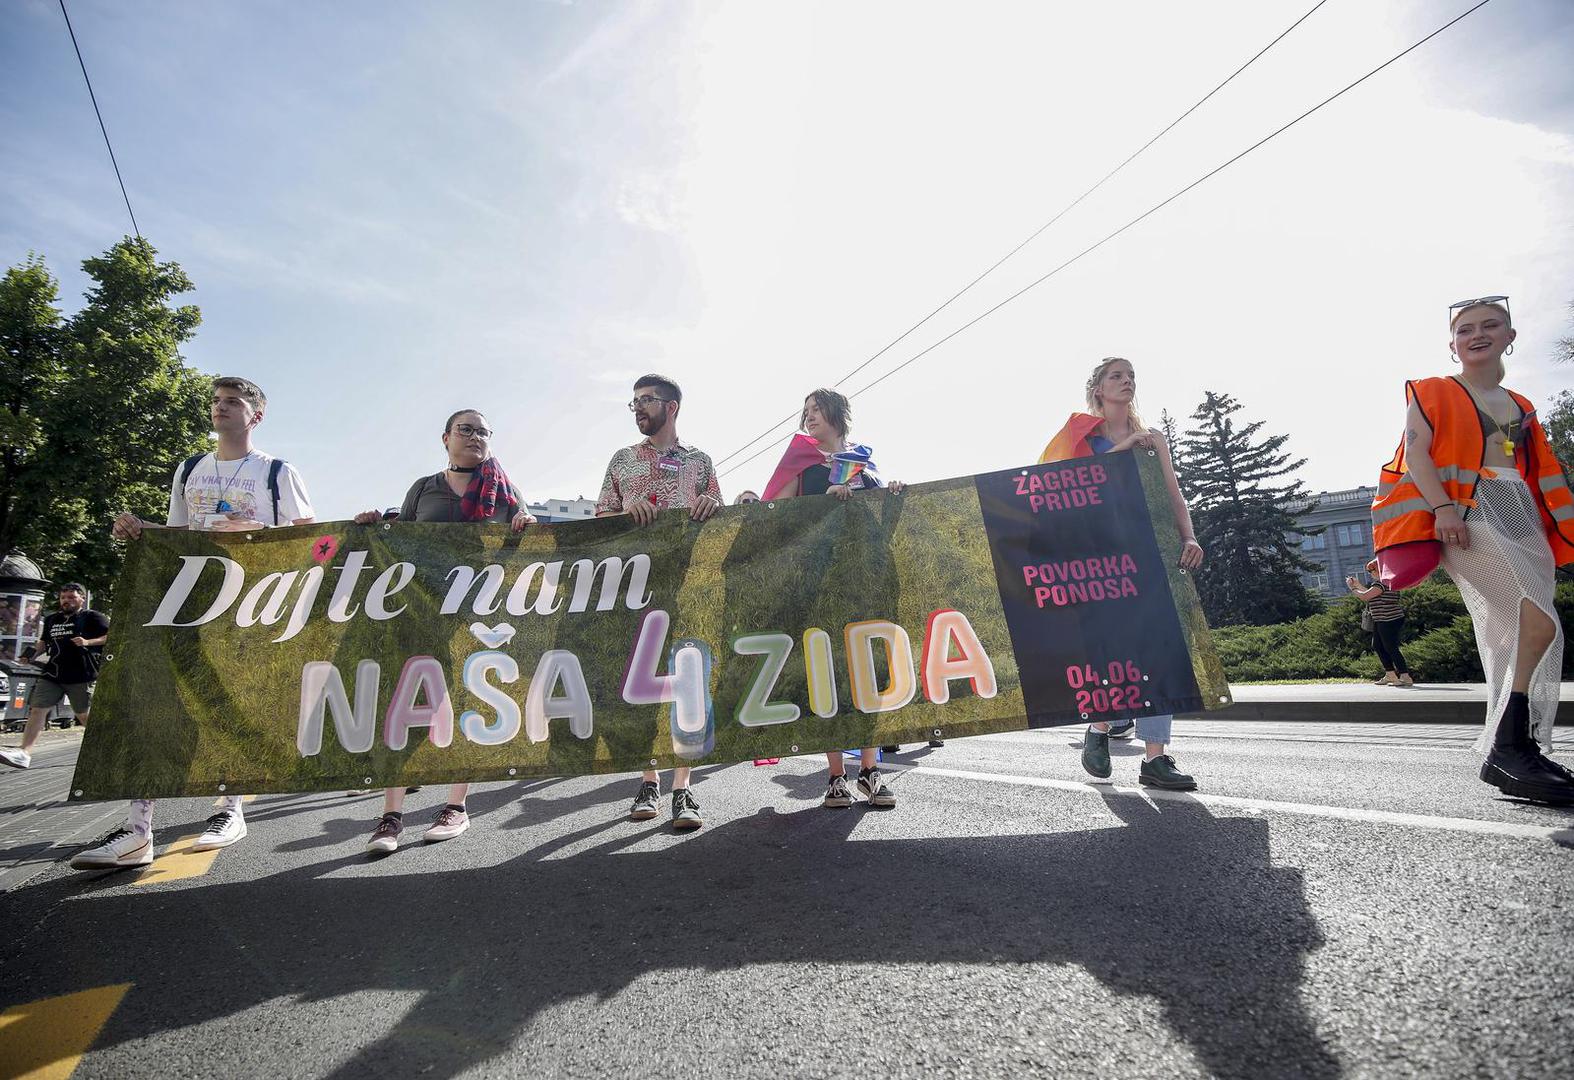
[395, 210]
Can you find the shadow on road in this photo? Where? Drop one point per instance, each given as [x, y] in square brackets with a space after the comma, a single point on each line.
[1174, 905]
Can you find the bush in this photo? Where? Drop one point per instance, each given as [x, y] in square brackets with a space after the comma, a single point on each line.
[1439, 642]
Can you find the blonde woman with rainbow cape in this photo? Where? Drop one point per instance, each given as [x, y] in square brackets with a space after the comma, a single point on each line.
[1112, 424]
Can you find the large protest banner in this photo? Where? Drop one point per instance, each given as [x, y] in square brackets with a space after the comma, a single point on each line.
[342, 656]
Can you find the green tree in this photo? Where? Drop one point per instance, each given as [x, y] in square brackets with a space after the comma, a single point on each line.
[1558, 419]
[100, 406]
[1238, 503]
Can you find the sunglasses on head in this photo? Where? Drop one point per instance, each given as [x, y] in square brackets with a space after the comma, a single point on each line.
[1461, 305]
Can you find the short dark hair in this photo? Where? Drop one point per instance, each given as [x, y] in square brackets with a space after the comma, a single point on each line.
[74, 586]
[450, 425]
[250, 391]
[836, 409]
[668, 388]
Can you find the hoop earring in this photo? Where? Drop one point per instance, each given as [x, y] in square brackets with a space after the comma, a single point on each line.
[1510, 350]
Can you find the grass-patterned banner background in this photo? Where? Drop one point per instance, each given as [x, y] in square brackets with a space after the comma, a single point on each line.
[341, 656]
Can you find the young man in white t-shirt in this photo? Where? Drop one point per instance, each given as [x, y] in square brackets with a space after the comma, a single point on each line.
[232, 489]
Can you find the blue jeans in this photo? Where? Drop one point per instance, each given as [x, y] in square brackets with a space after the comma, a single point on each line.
[1153, 728]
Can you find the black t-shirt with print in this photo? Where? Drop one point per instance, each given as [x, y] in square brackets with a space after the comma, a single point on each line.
[70, 663]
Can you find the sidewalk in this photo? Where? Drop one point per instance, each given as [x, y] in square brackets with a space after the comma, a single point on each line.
[1430, 703]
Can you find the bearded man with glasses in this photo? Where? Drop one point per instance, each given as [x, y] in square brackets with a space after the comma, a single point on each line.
[660, 473]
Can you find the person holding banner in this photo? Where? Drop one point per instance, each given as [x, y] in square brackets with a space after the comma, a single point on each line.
[1112, 424]
[472, 488]
[660, 473]
[821, 461]
[234, 488]
[1475, 484]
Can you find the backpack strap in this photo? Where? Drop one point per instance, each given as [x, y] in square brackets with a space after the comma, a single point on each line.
[273, 487]
[186, 467]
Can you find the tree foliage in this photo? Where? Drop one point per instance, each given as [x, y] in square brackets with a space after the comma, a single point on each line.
[97, 406]
[1558, 419]
[1234, 482]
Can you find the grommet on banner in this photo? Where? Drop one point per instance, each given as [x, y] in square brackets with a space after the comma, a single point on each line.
[1084, 716]
[1146, 704]
[652, 763]
[795, 749]
[1222, 699]
[367, 780]
[511, 772]
[387, 525]
[937, 733]
[78, 793]
[1106, 682]
[248, 536]
[770, 506]
[223, 787]
[108, 657]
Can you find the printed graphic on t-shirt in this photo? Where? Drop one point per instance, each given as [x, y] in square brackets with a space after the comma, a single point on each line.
[237, 490]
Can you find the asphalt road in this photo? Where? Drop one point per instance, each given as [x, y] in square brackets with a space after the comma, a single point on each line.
[1338, 900]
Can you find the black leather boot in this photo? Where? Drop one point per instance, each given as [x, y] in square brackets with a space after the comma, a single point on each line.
[1516, 766]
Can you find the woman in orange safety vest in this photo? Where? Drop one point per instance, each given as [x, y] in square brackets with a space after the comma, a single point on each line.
[1476, 472]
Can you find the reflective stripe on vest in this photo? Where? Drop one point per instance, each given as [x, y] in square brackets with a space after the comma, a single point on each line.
[1388, 513]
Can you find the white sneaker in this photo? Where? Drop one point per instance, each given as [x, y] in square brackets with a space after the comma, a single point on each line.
[449, 824]
[17, 759]
[122, 848]
[224, 828]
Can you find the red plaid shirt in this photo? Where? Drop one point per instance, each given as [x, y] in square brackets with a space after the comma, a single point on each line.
[671, 479]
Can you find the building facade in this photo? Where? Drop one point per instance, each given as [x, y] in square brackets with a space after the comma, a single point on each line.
[563, 509]
[1343, 546]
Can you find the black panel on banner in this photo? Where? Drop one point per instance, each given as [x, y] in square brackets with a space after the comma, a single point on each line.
[1085, 592]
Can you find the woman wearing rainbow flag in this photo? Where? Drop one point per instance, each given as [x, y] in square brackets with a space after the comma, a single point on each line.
[822, 462]
[1112, 424]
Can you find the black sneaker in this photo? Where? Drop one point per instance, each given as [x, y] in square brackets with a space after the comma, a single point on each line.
[1095, 753]
[874, 788]
[1122, 729]
[1162, 773]
[685, 811]
[836, 793]
[645, 802]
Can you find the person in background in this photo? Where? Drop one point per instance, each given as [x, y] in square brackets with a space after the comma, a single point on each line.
[1388, 622]
[1112, 424]
[473, 487]
[71, 646]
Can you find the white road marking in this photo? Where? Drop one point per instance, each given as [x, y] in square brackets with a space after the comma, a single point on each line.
[1563, 837]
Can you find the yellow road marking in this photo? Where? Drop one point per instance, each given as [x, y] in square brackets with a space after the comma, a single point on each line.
[44, 1040]
[177, 862]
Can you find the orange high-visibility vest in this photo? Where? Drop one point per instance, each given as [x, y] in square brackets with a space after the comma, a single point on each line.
[1400, 514]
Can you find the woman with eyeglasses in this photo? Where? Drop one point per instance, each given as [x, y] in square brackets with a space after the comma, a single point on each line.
[473, 488]
[1475, 484]
[1112, 424]
[821, 461]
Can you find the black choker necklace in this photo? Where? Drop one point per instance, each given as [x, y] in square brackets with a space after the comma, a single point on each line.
[463, 468]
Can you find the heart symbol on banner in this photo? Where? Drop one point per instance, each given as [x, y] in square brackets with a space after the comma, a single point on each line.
[493, 637]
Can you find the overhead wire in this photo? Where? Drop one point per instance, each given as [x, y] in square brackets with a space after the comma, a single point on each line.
[1151, 210]
[94, 99]
[1036, 233]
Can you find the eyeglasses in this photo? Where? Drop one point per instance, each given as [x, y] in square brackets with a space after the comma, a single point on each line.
[643, 400]
[471, 431]
[1461, 305]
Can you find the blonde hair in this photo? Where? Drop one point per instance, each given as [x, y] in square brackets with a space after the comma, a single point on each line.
[1096, 403]
[1502, 372]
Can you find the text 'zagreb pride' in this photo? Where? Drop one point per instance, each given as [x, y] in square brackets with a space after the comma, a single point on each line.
[330, 656]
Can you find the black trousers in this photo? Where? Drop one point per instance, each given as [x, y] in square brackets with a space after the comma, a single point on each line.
[1385, 639]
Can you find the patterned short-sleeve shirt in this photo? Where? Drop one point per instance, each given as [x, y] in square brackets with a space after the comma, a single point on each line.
[672, 478]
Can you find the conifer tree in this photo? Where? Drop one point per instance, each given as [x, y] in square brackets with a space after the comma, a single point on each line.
[1235, 484]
